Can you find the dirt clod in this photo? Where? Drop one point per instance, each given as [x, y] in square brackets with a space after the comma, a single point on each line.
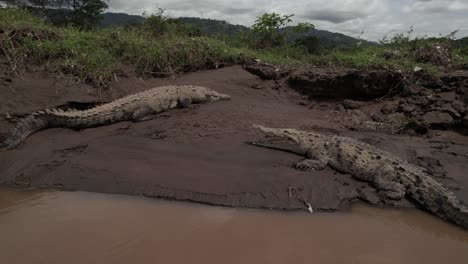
[351, 104]
[438, 118]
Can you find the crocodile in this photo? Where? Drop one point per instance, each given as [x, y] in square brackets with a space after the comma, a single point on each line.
[136, 107]
[393, 177]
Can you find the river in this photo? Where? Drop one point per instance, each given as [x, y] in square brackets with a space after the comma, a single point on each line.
[79, 227]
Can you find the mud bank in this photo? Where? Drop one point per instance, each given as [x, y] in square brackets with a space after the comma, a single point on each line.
[200, 154]
[411, 103]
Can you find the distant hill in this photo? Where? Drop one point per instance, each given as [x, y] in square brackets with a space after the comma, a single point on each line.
[463, 41]
[213, 27]
[327, 39]
[207, 26]
[120, 19]
[338, 37]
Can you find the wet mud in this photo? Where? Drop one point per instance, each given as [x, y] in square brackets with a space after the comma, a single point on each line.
[201, 154]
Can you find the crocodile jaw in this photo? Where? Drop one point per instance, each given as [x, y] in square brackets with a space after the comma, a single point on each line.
[282, 133]
[215, 96]
[280, 139]
[280, 144]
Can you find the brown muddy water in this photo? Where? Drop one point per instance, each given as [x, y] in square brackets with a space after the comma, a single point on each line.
[78, 227]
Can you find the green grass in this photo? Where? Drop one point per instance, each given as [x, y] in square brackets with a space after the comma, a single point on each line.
[461, 54]
[371, 57]
[95, 56]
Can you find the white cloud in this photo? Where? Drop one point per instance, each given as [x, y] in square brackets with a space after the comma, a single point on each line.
[437, 6]
[375, 17]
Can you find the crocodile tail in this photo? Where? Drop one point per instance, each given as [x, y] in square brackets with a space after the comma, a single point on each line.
[443, 203]
[452, 210]
[23, 129]
[462, 218]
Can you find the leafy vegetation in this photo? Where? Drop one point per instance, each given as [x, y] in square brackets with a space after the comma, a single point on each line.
[94, 56]
[267, 29]
[235, 33]
[84, 14]
[212, 27]
[161, 46]
[158, 25]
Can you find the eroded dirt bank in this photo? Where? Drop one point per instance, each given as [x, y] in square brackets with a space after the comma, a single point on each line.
[200, 154]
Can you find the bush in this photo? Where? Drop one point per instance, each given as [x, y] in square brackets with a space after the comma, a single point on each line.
[311, 43]
[84, 14]
[94, 56]
[267, 27]
[158, 25]
[421, 49]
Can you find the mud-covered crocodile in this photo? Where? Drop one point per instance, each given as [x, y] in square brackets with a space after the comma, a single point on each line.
[393, 177]
[137, 107]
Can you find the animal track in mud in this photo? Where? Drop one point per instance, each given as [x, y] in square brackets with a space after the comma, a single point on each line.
[52, 165]
[122, 130]
[78, 149]
[156, 134]
[63, 155]
[22, 180]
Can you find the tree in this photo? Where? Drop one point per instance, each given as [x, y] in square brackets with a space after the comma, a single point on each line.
[311, 43]
[156, 24]
[303, 27]
[87, 13]
[84, 14]
[268, 28]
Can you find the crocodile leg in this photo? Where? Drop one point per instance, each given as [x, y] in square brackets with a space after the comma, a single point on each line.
[311, 164]
[317, 159]
[184, 102]
[142, 114]
[388, 188]
[393, 191]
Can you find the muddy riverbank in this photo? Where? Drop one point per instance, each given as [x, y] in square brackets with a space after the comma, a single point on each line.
[200, 154]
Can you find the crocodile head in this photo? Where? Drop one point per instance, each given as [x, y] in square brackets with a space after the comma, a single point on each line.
[200, 94]
[285, 139]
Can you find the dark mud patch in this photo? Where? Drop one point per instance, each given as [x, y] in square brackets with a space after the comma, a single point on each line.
[346, 83]
[334, 83]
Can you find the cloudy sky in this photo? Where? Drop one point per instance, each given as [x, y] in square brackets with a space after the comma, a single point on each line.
[375, 17]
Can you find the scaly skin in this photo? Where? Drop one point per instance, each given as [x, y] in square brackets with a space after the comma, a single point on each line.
[392, 176]
[137, 107]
